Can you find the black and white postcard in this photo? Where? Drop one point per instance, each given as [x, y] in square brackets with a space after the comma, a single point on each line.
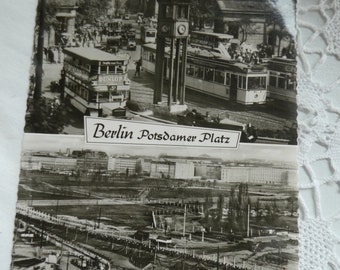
[159, 134]
[144, 207]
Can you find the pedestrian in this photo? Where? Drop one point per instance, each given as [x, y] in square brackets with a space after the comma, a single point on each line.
[138, 68]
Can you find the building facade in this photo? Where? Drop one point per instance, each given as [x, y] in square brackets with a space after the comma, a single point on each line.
[262, 175]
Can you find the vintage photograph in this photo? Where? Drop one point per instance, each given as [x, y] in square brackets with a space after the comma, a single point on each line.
[85, 206]
[227, 64]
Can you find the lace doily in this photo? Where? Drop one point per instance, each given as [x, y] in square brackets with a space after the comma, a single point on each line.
[318, 44]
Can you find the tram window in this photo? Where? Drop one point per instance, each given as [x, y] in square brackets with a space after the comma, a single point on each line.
[227, 82]
[272, 80]
[145, 55]
[190, 70]
[239, 81]
[290, 84]
[219, 76]
[281, 83]
[199, 72]
[152, 58]
[209, 74]
[255, 83]
[244, 85]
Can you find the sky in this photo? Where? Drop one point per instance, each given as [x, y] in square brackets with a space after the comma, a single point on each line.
[264, 152]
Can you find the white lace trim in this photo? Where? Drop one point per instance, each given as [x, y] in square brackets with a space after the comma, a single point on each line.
[318, 44]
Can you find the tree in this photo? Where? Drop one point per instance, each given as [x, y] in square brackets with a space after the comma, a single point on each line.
[232, 209]
[246, 27]
[257, 208]
[208, 203]
[45, 117]
[201, 11]
[89, 11]
[279, 30]
[220, 207]
[242, 206]
[292, 204]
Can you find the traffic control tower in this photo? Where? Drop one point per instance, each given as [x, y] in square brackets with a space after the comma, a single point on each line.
[173, 31]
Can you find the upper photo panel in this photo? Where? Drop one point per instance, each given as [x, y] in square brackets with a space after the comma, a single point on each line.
[225, 64]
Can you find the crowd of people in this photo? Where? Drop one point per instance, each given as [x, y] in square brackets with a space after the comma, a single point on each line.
[255, 57]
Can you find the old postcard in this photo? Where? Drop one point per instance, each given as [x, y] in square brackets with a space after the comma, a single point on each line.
[221, 64]
[167, 207]
[159, 135]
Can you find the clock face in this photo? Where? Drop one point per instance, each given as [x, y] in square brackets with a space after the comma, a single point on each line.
[181, 29]
[165, 28]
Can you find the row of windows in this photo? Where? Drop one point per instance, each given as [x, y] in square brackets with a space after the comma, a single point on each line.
[284, 82]
[216, 76]
[177, 11]
[112, 95]
[96, 69]
[149, 56]
[81, 91]
[222, 77]
[208, 74]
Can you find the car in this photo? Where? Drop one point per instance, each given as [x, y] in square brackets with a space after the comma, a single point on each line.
[132, 45]
[126, 17]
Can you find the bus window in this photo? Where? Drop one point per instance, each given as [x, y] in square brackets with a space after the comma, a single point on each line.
[112, 70]
[94, 69]
[219, 76]
[103, 69]
[119, 69]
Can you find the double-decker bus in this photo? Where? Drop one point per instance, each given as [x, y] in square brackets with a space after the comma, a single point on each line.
[282, 79]
[211, 41]
[96, 82]
[215, 75]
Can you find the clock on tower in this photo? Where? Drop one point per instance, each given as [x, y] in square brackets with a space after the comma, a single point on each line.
[172, 34]
[173, 18]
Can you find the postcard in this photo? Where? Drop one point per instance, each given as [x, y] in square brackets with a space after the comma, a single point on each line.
[159, 135]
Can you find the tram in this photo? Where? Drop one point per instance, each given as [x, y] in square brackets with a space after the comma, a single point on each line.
[148, 34]
[96, 82]
[215, 75]
[282, 79]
